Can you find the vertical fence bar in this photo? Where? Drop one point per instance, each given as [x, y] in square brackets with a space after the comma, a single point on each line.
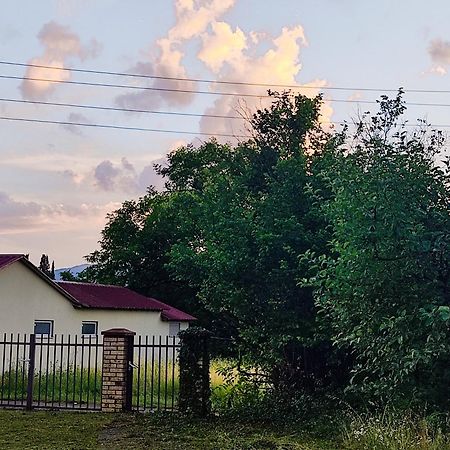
[145, 372]
[67, 371]
[166, 373]
[61, 357]
[54, 370]
[173, 371]
[46, 368]
[81, 370]
[138, 374]
[74, 371]
[31, 358]
[95, 370]
[17, 368]
[159, 373]
[3, 365]
[9, 366]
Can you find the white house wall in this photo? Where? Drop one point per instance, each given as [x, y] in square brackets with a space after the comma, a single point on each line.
[25, 297]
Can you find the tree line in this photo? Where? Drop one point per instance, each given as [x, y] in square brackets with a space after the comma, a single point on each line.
[321, 258]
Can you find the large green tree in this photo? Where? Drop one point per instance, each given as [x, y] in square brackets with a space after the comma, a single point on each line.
[228, 233]
[385, 289]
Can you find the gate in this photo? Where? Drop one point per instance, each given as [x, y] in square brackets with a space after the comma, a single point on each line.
[156, 373]
[51, 372]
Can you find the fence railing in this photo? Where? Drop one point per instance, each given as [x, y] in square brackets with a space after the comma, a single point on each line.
[57, 372]
[113, 372]
[156, 373]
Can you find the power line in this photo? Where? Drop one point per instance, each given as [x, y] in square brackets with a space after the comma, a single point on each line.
[119, 127]
[174, 113]
[193, 91]
[225, 82]
[111, 108]
[127, 86]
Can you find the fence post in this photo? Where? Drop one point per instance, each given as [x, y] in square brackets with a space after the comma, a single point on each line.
[194, 359]
[117, 369]
[31, 358]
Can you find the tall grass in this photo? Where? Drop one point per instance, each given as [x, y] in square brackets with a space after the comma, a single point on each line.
[155, 386]
[68, 387]
[394, 431]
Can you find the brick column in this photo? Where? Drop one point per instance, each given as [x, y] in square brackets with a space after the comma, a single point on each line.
[116, 369]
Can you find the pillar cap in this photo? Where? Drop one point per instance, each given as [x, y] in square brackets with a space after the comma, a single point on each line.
[117, 332]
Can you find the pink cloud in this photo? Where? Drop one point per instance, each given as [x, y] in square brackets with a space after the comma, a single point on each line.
[60, 44]
[192, 19]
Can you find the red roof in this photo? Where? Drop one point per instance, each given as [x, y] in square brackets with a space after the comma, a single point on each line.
[6, 260]
[102, 296]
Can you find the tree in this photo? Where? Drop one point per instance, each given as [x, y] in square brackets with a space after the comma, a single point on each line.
[256, 214]
[44, 266]
[384, 291]
[226, 237]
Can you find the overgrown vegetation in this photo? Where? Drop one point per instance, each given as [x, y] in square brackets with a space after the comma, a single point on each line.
[320, 259]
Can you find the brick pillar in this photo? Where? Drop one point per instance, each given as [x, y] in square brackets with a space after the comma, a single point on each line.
[116, 370]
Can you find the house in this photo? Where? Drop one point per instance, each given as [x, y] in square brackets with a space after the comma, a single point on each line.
[30, 302]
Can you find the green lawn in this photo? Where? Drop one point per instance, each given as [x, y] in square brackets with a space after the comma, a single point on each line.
[67, 430]
[76, 430]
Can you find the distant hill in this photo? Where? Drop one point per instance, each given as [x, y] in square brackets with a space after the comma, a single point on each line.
[75, 270]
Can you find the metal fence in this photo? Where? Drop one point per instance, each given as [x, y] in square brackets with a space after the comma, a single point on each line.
[53, 372]
[156, 373]
[65, 372]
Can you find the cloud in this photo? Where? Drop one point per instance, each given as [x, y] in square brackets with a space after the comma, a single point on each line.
[222, 46]
[192, 19]
[124, 177]
[234, 56]
[60, 44]
[18, 216]
[76, 118]
[439, 52]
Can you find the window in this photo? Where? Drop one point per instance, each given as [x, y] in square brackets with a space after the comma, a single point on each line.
[89, 328]
[174, 328]
[43, 327]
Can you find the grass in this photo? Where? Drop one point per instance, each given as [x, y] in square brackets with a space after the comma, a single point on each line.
[74, 430]
[394, 431]
[68, 430]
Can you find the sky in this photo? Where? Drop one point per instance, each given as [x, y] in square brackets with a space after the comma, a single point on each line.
[59, 181]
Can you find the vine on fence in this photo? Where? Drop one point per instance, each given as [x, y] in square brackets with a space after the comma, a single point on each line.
[195, 391]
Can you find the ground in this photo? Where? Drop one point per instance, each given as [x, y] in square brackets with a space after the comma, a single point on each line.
[74, 430]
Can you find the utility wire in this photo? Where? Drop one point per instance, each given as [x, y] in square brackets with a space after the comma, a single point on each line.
[193, 91]
[119, 127]
[225, 82]
[111, 108]
[147, 111]
[153, 130]
[127, 86]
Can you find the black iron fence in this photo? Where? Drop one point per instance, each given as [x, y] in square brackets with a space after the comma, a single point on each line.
[65, 372]
[56, 372]
[156, 373]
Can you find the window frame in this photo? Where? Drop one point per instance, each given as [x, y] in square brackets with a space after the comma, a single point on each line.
[89, 322]
[46, 321]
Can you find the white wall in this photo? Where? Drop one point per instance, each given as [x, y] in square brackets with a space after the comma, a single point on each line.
[25, 297]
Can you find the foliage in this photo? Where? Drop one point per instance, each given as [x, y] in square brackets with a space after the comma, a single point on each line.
[44, 266]
[223, 240]
[195, 391]
[385, 290]
[67, 275]
[255, 214]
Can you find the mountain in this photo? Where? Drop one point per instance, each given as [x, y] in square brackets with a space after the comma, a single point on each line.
[75, 270]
